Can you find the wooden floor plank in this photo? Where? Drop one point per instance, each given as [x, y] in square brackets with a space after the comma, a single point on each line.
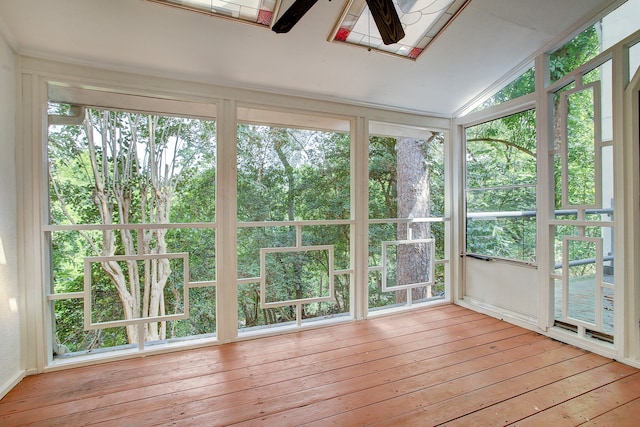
[589, 405]
[241, 354]
[411, 407]
[437, 372]
[233, 379]
[623, 416]
[440, 368]
[465, 403]
[518, 407]
[312, 402]
[220, 397]
[422, 367]
[257, 355]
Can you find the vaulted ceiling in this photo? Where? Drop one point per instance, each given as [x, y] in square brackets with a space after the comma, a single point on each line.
[487, 40]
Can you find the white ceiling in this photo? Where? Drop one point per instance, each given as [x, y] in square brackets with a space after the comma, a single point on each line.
[487, 40]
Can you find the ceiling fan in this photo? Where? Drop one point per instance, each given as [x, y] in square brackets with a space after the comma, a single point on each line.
[383, 12]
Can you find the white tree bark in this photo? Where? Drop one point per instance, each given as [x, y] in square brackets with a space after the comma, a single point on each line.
[115, 183]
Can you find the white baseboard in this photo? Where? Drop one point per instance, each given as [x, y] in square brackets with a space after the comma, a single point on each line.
[500, 313]
[8, 385]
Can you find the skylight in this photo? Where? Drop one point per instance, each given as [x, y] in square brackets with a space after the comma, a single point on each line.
[254, 11]
[422, 20]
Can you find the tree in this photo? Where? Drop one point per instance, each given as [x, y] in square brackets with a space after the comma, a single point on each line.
[406, 180]
[413, 201]
[501, 175]
[287, 174]
[132, 165]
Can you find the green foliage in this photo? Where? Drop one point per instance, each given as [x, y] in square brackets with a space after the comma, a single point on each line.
[579, 50]
[578, 109]
[116, 158]
[383, 204]
[291, 175]
[501, 154]
[522, 85]
[283, 174]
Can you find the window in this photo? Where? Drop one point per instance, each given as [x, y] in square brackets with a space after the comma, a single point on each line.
[406, 216]
[501, 188]
[294, 218]
[522, 85]
[131, 225]
[584, 47]
[614, 27]
[584, 203]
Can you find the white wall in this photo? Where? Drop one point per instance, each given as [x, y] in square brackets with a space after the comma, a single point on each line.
[503, 285]
[10, 367]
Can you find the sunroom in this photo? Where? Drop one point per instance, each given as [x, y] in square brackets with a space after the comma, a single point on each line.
[178, 177]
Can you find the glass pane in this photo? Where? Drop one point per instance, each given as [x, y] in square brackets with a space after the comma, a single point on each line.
[581, 148]
[200, 244]
[407, 264]
[406, 177]
[250, 240]
[68, 250]
[604, 75]
[576, 52]
[336, 235]
[202, 316]
[557, 292]
[608, 317]
[252, 316]
[522, 85]
[111, 168]
[614, 27]
[297, 275]
[121, 167]
[106, 293]
[634, 60]
[73, 340]
[257, 11]
[620, 23]
[606, 213]
[501, 192]
[582, 280]
[325, 310]
[287, 174]
[291, 174]
[406, 188]
[502, 152]
[560, 231]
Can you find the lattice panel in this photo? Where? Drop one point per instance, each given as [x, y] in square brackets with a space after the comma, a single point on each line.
[145, 268]
[584, 212]
[583, 281]
[285, 270]
[421, 274]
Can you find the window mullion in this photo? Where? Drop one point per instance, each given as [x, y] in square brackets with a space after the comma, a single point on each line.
[227, 272]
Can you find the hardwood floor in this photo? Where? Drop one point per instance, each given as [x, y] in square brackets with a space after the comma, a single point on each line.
[444, 365]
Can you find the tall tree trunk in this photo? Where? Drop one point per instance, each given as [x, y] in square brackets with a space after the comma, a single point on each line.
[413, 202]
[115, 183]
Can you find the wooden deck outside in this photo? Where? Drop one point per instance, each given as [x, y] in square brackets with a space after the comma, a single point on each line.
[445, 365]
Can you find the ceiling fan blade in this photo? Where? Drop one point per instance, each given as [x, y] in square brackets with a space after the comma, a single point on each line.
[292, 15]
[387, 20]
